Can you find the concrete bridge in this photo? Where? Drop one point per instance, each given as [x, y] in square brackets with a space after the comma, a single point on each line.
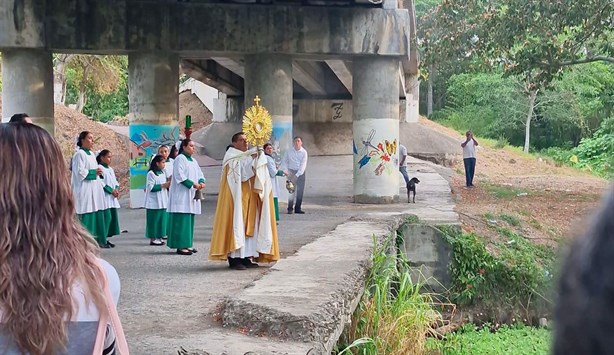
[315, 62]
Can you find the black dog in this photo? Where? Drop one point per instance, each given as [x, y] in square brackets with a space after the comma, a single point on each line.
[411, 186]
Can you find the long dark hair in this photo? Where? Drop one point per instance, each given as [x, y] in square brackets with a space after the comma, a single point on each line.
[153, 165]
[40, 232]
[82, 136]
[103, 153]
[173, 152]
[184, 143]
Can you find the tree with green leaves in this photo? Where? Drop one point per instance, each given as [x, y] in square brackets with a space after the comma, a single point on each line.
[535, 40]
[99, 74]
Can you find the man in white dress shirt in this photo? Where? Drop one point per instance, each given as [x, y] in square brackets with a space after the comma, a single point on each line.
[295, 163]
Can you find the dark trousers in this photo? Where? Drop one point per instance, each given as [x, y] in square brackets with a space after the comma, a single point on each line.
[300, 187]
[469, 170]
[403, 170]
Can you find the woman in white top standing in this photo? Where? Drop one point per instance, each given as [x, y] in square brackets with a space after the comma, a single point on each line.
[273, 173]
[182, 207]
[111, 194]
[50, 276]
[165, 153]
[156, 201]
[87, 189]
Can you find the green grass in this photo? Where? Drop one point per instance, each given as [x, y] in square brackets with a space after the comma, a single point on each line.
[507, 340]
[511, 220]
[393, 317]
[503, 192]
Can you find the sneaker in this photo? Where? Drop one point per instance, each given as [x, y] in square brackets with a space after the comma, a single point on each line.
[299, 212]
[156, 242]
[290, 211]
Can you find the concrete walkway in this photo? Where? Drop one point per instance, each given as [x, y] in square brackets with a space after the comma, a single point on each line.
[170, 301]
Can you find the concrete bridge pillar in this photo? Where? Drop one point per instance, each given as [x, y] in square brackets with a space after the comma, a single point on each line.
[153, 82]
[27, 85]
[270, 77]
[375, 129]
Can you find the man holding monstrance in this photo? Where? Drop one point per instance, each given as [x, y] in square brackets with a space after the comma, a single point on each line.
[244, 228]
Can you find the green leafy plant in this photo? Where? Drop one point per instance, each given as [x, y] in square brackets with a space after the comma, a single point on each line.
[516, 339]
[393, 316]
[513, 274]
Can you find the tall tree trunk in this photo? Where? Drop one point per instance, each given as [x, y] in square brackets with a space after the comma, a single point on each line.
[429, 92]
[82, 91]
[527, 128]
[59, 78]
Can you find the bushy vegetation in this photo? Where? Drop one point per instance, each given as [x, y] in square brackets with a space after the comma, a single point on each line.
[595, 154]
[516, 339]
[104, 100]
[507, 279]
[496, 107]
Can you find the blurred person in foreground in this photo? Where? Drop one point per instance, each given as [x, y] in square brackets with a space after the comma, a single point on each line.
[584, 312]
[56, 295]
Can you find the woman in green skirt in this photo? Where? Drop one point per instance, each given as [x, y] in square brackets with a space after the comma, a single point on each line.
[111, 194]
[156, 201]
[87, 189]
[182, 207]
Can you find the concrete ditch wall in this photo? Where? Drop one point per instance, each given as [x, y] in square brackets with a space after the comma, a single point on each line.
[310, 297]
[428, 253]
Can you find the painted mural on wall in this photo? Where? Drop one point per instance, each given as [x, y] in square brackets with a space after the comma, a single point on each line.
[378, 156]
[281, 139]
[144, 143]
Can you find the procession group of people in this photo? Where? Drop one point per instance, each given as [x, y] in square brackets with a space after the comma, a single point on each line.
[245, 222]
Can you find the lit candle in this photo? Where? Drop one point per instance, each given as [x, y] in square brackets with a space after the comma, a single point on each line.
[188, 121]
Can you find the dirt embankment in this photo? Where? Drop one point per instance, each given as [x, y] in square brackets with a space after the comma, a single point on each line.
[69, 123]
[543, 201]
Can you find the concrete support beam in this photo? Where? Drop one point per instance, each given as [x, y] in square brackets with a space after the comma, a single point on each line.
[310, 77]
[412, 98]
[27, 85]
[153, 82]
[376, 130]
[22, 24]
[231, 64]
[215, 75]
[342, 71]
[270, 77]
[192, 29]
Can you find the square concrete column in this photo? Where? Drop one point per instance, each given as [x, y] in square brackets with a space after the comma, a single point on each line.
[375, 129]
[270, 77]
[27, 85]
[153, 84]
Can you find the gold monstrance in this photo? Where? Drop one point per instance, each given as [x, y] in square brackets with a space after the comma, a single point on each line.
[257, 124]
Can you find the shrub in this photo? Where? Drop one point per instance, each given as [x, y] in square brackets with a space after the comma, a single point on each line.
[513, 275]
